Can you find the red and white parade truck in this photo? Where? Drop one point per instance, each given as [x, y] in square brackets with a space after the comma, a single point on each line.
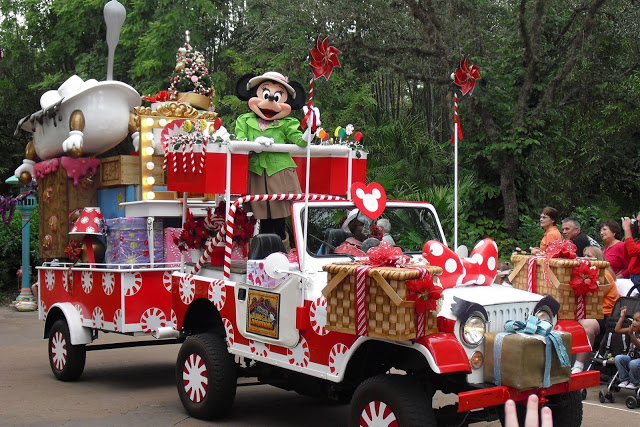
[274, 318]
[311, 320]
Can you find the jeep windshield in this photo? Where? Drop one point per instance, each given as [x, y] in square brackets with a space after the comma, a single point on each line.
[344, 231]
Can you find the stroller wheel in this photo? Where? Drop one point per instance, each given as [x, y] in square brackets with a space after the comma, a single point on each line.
[583, 393]
[612, 397]
[601, 396]
[631, 402]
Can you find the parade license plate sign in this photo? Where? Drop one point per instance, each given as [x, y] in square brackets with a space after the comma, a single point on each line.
[263, 313]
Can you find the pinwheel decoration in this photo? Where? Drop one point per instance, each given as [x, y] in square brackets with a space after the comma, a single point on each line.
[323, 59]
[465, 76]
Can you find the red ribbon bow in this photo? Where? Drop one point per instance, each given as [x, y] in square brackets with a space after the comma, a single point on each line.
[561, 249]
[159, 97]
[386, 255]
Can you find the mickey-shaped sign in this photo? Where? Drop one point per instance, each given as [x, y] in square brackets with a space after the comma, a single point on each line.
[480, 268]
[370, 199]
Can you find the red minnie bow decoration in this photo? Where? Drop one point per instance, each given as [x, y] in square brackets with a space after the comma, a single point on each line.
[323, 59]
[424, 292]
[466, 76]
[386, 254]
[584, 279]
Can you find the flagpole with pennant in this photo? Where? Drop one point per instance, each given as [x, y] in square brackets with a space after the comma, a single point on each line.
[465, 77]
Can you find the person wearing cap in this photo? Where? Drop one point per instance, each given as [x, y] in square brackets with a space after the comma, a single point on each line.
[354, 224]
[271, 97]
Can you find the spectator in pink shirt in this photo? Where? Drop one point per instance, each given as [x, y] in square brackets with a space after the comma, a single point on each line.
[610, 231]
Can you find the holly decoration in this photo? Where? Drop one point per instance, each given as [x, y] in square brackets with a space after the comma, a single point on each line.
[584, 278]
[191, 74]
[424, 292]
[73, 250]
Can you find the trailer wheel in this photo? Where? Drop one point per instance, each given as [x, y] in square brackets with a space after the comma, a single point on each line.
[206, 376]
[391, 400]
[66, 360]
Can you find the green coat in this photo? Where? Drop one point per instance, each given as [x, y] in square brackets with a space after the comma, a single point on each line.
[283, 131]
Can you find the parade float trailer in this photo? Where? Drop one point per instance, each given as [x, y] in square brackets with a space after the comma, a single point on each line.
[384, 334]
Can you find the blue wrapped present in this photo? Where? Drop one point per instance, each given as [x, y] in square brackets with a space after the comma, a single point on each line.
[128, 241]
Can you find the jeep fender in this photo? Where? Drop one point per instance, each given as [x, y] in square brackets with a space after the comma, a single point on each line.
[79, 334]
[444, 353]
[579, 340]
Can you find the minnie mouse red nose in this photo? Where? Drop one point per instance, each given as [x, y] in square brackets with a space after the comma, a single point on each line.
[275, 77]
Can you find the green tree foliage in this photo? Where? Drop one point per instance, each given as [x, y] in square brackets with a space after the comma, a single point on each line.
[554, 120]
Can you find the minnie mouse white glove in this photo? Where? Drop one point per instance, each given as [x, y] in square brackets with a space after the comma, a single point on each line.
[264, 140]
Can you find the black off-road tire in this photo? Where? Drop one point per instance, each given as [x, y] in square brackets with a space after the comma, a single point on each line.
[206, 376]
[566, 409]
[66, 360]
[398, 396]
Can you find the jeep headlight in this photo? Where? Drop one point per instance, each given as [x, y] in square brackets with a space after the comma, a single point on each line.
[544, 313]
[473, 330]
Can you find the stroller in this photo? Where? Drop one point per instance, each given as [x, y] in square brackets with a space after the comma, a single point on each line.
[611, 345]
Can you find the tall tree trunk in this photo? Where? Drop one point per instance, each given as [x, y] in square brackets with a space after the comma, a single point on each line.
[509, 198]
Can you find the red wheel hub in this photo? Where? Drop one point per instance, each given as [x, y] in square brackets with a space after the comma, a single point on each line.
[195, 378]
[377, 414]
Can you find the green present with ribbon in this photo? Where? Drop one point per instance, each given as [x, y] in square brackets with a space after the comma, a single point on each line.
[527, 355]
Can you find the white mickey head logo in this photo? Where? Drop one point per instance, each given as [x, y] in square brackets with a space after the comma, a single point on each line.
[370, 201]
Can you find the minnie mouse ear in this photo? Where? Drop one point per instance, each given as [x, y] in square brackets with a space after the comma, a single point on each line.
[300, 99]
[241, 87]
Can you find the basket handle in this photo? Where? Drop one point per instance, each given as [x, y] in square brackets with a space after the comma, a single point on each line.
[393, 295]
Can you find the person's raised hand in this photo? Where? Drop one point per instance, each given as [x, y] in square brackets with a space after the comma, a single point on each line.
[531, 420]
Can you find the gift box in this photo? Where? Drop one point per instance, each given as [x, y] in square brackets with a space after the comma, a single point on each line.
[128, 241]
[389, 312]
[522, 360]
[193, 173]
[257, 276]
[109, 199]
[328, 175]
[117, 171]
[560, 270]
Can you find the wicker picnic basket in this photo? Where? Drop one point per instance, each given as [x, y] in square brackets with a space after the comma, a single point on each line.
[390, 315]
[560, 275]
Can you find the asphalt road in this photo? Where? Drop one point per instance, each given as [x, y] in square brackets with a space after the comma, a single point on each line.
[135, 386]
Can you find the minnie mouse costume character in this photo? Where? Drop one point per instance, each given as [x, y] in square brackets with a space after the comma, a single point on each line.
[271, 98]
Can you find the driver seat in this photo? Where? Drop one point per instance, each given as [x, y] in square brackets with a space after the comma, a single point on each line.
[263, 245]
[334, 237]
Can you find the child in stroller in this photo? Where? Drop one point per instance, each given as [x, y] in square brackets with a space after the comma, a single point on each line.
[615, 344]
[628, 367]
